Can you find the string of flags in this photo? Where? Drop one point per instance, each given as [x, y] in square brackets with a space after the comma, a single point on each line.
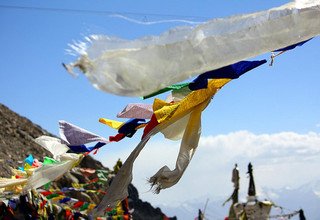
[55, 203]
[142, 66]
[209, 49]
[286, 216]
[213, 49]
[179, 117]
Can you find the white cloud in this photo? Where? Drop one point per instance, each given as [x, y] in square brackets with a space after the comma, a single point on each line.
[281, 159]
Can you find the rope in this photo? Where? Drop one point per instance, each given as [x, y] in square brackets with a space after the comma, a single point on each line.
[113, 13]
[273, 55]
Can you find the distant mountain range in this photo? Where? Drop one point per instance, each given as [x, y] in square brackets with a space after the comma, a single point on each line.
[189, 210]
[306, 197]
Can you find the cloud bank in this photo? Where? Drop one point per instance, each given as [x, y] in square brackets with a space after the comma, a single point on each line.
[285, 159]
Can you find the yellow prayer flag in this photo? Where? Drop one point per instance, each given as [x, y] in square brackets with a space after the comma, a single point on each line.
[165, 111]
[111, 123]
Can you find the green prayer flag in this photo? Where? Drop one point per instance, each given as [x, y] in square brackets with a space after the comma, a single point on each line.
[84, 206]
[169, 88]
[52, 195]
[49, 160]
[47, 186]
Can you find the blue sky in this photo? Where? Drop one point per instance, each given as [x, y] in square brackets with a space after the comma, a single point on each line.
[265, 101]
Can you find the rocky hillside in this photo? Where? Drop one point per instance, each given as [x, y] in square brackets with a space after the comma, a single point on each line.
[16, 143]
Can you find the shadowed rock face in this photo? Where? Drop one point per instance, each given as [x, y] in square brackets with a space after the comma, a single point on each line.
[143, 210]
[16, 143]
[16, 140]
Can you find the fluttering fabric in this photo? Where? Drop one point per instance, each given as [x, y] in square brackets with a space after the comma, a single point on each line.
[49, 203]
[118, 137]
[178, 94]
[141, 66]
[56, 147]
[232, 71]
[136, 110]
[40, 204]
[282, 50]
[76, 138]
[166, 89]
[74, 135]
[125, 129]
[48, 160]
[52, 171]
[176, 130]
[35, 174]
[166, 114]
[111, 123]
[129, 128]
[292, 46]
[165, 177]
[84, 148]
[29, 160]
[5, 182]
